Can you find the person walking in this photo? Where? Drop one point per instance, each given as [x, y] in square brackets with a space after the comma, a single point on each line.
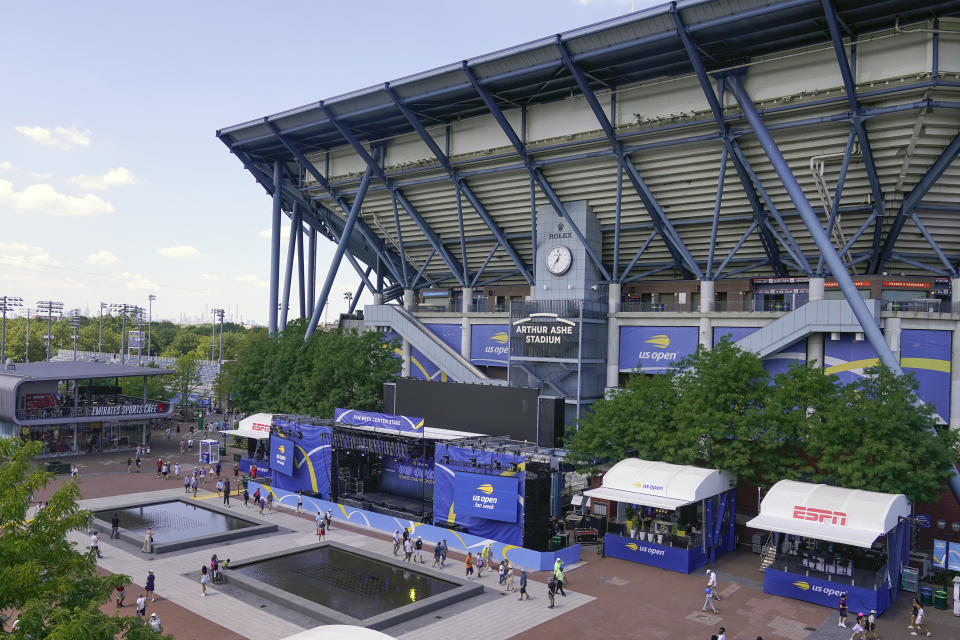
[119, 594]
[396, 537]
[270, 502]
[509, 585]
[919, 626]
[165, 470]
[95, 543]
[871, 625]
[150, 585]
[256, 497]
[129, 463]
[708, 600]
[407, 550]
[858, 629]
[219, 487]
[236, 471]
[320, 520]
[419, 548]
[300, 501]
[322, 531]
[186, 484]
[115, 526]
[552, 590]
[176, 470]
[523, 584]
[842, 611]
[468, 564]
[443, 553]
[141, 607]
[263, 503]
[218, 469]
[204, 580]
[226, 493]
[558, 574]
[328, 516]
[712, 582]
[913, 613]
[159, 467]
[155, 621]
[246, 498]
[139, 463]
[502, 572]
[721, 634]
[436, 554]
[481, 563]
[193, 485]
[182, 444]
[203, 475]
[147, 541]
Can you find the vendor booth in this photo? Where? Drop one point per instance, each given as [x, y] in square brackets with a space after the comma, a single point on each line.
[680, 517]
[827, 540]
[256, 429]
[209, 451]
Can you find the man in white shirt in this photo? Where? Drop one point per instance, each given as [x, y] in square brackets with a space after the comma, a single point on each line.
[920, 625]
[712, 583]
[396, 540]
[155, 623]
[95, 543]
[722, 634]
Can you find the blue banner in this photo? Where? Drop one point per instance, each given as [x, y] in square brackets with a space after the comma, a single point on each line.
[406, 477]
[311, 457]
[847, 358]
[823, 592]
[677, 559]
[940, 553]
[926, 354]
[449, 334]
[281, 454]
[734, 334]
[655, 349]
[782, 360]
[372, 419]
[488, 497]
[489, 344]
[953, 557]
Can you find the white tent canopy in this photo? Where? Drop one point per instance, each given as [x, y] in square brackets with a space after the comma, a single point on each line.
[660, 484]
[256, 426]
[846, 516]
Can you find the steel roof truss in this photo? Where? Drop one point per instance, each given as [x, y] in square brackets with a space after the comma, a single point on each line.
[837, 192]
[416, 278]
[483, 266]
[918, 264]
[735, 248]
[716, 213]
[643, 247]
[650, 272]
[933, 243]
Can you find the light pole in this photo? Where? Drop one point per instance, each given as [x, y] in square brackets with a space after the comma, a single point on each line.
[7, 303]
[151, 298]
[124, 309]
[138, 316]
[27, 356]
[103, 305]
[74, 322]
[49, 307]
[218, 315]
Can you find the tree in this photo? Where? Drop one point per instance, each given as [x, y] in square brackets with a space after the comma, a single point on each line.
[157, 386]
[186, 380]
[183, 343]
[875, 438]
[54, 586]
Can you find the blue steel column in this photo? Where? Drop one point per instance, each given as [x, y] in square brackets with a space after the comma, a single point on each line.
[870, 327]
[300, 273]
[288, 270]
[311, 270]
[275, 248]
[338, 254]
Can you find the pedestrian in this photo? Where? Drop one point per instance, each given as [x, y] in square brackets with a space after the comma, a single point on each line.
[858, 629]
[708, 601]
[141, 607]
[186, 484]
[165, 470]
[436, 554]
[193, 486]
[246, 498]
[509, 571]
[256, 497]
[722, 634]
[119, 594]
[919, 624]
[468, 563]
[176, 470]
[913, 613]
[214, 568]
[481, 563]
[871, 625]
[552, 590]
[139, 463]
[203, 474]
[329, 518]
[149, 586]
[236, 471]
[190, 444]
[253, 472]
[443, 553]
[406, 534]
[396, 538]
[712, 582]
[147, 541]
[182, 443]
[419, 547]
[129, 463]
[95, 543]
[502, 572]
[204, 579]
[270, 502]
[155, 620]
[159, 466]
[226, 493]
[115, 526]
[322, 531]
[407, 550]
[263, 503]
[842, 611]
[300, 501]
[523, 584]
[558, 574]
[219, 487]
[218, 469]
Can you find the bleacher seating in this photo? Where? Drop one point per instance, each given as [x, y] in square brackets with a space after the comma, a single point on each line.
[209, 369]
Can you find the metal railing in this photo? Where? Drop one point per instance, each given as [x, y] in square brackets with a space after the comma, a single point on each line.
[123, 406]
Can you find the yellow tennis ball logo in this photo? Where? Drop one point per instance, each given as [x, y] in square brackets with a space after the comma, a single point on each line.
[632, 546]
[485, 488]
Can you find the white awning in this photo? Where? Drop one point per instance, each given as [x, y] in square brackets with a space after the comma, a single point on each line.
[257, 435]
[834, 514]
[578, 501]
[660, 484]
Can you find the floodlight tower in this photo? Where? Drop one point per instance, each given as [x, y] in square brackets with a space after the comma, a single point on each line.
[7, 303]
[74, 322]
[103, 305]
[124, 309]
[218, 315]
[151, 298]
[49, 307]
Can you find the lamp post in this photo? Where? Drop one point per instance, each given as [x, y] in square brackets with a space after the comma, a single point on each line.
[74, 322]
[151, 298]
[49, 307]
[218, 315]
[7, 303]
[27, 341]
[124, 309]
[103, 305]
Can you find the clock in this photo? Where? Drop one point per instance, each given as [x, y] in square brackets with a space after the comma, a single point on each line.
[559, 259]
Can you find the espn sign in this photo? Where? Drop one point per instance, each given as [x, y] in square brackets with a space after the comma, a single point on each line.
[257, 426]
[823, 516]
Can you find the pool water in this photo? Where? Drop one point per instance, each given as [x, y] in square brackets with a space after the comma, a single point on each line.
[174, 521]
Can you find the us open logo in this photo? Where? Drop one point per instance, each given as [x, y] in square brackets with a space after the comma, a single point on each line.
[485, 488]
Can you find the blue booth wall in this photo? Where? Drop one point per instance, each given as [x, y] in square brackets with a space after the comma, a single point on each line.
[447, 509]
[311, 457]
[458, 542]
[823, 592]
[407, 477]
[656, 555]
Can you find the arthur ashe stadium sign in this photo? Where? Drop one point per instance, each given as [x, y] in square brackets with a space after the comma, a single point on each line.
[545, 335]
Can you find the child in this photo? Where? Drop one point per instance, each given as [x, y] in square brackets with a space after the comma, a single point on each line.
[322, 531]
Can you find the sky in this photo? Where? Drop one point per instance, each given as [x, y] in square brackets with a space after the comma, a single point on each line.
[113, 185]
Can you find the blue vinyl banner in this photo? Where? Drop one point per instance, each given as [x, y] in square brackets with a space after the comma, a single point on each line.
[372, 419]
[655, 349]
[281, 454]
[679, 559]
[823, 592]
[733, 334]
[847, 358]
[407, 477]
[926, 354]
[953, 557]
[310, 446]
[782, 360]
[449, 334]
[940, 553]
[489, 344]
[450, 462]
[486, 496]
[421, 367]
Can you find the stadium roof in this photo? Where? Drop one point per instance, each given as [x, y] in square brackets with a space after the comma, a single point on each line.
[77, 370]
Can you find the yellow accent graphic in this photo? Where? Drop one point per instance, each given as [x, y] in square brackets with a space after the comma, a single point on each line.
[452, 517]
[507, 548]
[632, 546]
[500, 336]
[419, 425]
[520, 467]
[281, 448]
[853, 364]
[485, 488]
[416, 363]
[661, 341]
[313, 474]
[941, 561]
[803, 585]
[638, 484]
[931, 364]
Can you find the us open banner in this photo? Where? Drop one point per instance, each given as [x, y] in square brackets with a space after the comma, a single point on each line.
[489, 497]
[489, 344]
[281, 455]
[823, 592]
[656, 349]
[383, 420]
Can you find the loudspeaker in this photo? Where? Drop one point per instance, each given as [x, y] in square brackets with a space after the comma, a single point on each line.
[536, 506]
[390, 397]
[550, 412]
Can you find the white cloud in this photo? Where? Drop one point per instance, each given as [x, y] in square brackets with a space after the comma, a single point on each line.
[102, 259]
[178, 252]
[112, 178]
[63, 137]
[250, 279]
[7, 166]
[43, 198]
[266, 234]
[17, 254]
[209, 276]
[138, 282]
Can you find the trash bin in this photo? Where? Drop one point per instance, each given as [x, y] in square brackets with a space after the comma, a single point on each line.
[245, 480]
[926, 596]
[940, 599]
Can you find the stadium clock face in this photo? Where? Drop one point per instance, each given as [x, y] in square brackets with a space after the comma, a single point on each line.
[559, 259]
